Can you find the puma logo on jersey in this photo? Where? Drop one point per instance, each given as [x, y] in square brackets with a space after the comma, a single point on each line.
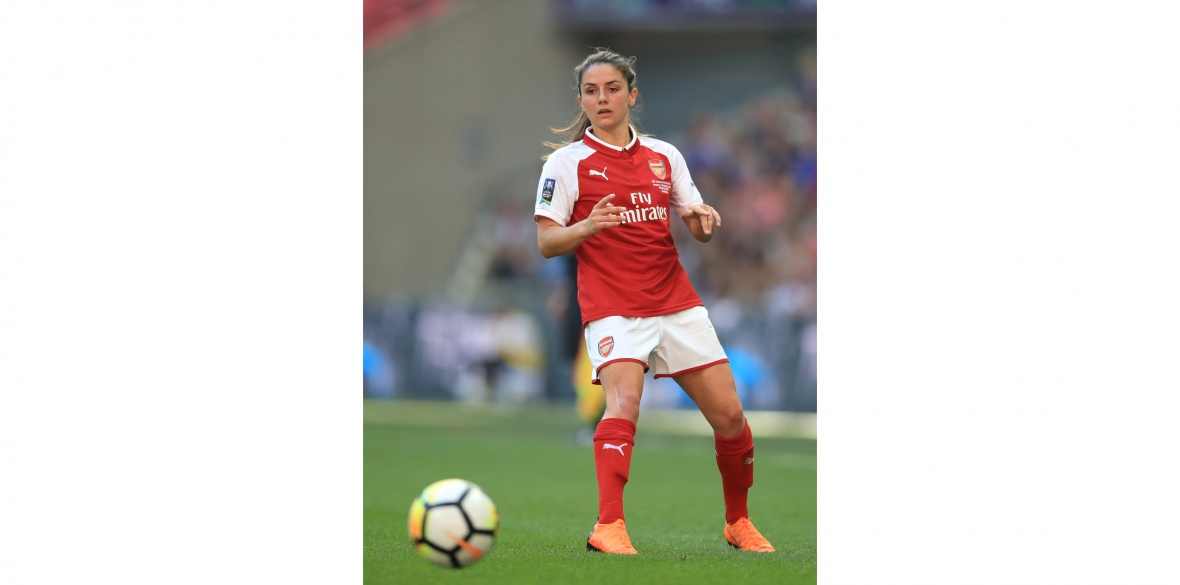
[749, 460]
[602, 173]
[619, 447]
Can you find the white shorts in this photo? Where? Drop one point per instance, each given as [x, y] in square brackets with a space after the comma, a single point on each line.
[675, 344]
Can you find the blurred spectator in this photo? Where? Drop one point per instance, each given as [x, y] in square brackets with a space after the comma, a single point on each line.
[379, 377]
[518, 375]
[515, 236]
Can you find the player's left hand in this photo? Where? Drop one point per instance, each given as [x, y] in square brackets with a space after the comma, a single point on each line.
[708, 216]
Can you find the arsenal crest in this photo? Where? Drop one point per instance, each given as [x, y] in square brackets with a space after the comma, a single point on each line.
[607, 344]
[657, 167]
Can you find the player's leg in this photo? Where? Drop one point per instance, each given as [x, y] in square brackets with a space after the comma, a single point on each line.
[692, 355]
[714, 392]
[622, 387]
[622, 383]
[618, 348]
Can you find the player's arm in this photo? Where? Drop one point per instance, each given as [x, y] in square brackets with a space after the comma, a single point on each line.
[701, 220]
[555, 239]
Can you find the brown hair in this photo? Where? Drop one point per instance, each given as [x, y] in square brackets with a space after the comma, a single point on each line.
[577, 129]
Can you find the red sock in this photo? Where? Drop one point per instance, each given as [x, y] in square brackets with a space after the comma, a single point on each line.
[613, 442]
[735, 460]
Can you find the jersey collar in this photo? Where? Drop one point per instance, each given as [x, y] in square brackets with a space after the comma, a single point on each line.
[609, 149]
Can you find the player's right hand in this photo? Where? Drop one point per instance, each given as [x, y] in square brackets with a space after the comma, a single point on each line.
[604, 215]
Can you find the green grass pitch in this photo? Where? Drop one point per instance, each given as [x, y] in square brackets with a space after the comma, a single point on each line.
[543, 484]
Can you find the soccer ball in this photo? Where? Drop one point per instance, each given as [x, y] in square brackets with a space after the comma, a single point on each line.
[453, 523]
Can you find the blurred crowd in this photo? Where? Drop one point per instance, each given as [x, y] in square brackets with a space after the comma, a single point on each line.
[758, 167]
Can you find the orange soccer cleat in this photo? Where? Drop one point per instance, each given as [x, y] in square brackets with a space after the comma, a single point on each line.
[611, 539]
[742, 535]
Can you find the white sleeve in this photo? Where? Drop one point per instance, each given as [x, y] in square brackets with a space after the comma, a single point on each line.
[555, 193]
[684, 191]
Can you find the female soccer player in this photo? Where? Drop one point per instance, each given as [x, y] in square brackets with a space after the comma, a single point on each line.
[605, 194]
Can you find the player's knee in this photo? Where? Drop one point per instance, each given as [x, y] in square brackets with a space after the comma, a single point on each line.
[629, 403]
[623, 402]
[729, 421]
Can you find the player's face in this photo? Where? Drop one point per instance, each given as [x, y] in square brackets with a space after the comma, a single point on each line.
[605, 98]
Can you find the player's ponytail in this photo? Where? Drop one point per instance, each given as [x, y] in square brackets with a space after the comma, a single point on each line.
[576, 130]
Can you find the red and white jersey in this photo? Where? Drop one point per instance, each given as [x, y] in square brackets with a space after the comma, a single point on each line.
[630, 270]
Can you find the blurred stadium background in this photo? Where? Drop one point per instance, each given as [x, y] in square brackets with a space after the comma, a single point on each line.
[458, 98]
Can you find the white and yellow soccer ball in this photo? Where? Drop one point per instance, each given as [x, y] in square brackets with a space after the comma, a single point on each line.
[453, 523]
